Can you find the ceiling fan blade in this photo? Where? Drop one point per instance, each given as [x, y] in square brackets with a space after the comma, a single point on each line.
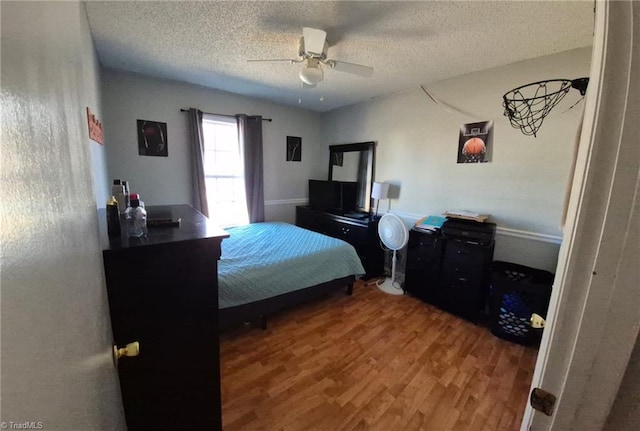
[356, 69]
[314, 40]
[289, 60]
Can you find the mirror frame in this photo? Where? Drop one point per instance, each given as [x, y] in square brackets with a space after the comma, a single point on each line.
[370, 148]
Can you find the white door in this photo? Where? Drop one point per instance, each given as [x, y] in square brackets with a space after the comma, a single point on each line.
[595, 307]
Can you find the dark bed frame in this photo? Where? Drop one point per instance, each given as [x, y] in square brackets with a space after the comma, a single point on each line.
[258, 311]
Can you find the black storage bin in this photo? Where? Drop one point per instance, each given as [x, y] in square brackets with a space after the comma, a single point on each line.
[517, 291]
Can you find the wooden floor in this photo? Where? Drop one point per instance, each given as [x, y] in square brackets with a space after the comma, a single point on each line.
[372, 362]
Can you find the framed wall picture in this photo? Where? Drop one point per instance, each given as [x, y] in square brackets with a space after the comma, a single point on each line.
[152, 138]
[95, 128]
[475, 142]
[294, 149]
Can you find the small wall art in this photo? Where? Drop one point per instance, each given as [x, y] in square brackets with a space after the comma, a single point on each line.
[294, 149]
[95, 127]
[152, 138]
[475, 142]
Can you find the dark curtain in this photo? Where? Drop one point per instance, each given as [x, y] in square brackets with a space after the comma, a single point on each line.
[197, 160]
[250, 137]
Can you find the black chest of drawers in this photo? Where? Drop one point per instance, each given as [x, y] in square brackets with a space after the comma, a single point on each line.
[361, 233]
[424, 257]
[449, 272]
[464, 277]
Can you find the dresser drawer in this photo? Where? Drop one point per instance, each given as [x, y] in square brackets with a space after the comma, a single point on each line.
[176, 289]
[462, 296]
[465, 254]
[312, 221]
[349, 233]
[462, 283]
[461, 269]
[423, 249]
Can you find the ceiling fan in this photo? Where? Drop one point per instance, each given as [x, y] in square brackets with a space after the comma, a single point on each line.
[312, 52]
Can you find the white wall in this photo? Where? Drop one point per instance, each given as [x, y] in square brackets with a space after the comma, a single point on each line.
[128, 97]
[56, 335]
[522, 188]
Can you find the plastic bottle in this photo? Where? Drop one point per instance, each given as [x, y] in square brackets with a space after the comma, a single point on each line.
[136, 219]
[127, 200]
[117, 190]
[137, 196]
[113, 218]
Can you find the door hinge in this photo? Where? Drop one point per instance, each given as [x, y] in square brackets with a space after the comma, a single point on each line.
[542, 401]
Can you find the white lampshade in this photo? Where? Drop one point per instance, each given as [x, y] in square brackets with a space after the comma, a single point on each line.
[380, 190]
[311, 75]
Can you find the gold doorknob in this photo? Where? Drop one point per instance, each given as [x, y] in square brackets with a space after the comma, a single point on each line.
[537, 321]
[131, 349]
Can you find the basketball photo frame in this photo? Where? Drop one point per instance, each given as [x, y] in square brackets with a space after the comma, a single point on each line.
[152, 138]
[475, 142]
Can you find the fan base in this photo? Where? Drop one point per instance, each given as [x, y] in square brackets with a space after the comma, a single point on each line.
[388, 287]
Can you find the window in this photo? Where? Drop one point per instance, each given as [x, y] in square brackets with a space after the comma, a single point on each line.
[224, 171]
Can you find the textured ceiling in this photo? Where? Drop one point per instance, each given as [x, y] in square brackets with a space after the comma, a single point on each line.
[407, 43]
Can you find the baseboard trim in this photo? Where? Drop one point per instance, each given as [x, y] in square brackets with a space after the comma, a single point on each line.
[299, 201]
[517, 233]
[412, 218]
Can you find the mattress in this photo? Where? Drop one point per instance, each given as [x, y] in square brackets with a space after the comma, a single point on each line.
[262, 260]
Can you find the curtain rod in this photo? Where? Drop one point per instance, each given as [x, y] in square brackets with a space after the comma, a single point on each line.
[223, 115]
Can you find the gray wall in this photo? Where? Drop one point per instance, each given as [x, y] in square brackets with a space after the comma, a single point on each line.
[522, 188]
[128, 97]
[56, 335]
[91, 80]
[625, 413]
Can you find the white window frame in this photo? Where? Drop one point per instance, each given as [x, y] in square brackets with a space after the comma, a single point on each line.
[215, 213]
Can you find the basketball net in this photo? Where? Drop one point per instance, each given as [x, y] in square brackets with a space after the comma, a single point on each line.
[527, 106]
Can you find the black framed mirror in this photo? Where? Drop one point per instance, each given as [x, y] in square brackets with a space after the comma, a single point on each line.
[354, 162]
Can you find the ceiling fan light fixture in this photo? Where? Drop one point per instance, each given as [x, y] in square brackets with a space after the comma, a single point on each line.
[311, 75]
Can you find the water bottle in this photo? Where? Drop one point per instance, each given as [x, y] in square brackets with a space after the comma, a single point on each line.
[137, 196]
[136, 219]
[127, 200]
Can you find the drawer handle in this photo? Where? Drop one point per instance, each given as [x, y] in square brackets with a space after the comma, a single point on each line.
[130, 350]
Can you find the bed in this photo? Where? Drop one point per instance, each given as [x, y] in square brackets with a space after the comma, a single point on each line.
[266, 267]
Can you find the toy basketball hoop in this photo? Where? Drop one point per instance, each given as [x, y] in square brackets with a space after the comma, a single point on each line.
[528, 105]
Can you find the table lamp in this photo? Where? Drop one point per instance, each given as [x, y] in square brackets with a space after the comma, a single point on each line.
[379, 191]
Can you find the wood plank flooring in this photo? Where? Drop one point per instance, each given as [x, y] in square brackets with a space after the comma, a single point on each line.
[372, 362]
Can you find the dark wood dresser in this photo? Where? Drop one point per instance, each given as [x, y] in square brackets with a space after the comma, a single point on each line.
[361, 233]
[451, 271]
[163, 293]
[422, 272]
[464, 277]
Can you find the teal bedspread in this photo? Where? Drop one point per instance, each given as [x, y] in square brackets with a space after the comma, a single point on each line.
[262, 260]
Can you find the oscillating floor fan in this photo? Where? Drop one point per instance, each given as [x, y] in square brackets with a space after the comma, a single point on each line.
[394, 235]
